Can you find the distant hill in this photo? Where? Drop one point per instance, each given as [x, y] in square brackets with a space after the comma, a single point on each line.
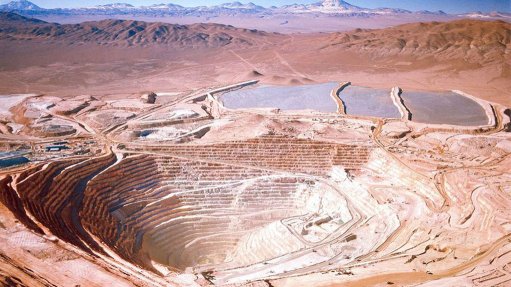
[127, 32]
[472, 40]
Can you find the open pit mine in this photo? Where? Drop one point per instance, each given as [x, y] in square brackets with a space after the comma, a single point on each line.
[154, 154]
[184, 191]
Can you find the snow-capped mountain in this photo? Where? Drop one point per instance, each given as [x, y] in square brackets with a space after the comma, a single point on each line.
[115, 6]
[338, 7]
[334, 6]
[481, 15]
[19, 5]
[232, 7]
[427, 12]
[239, 5]
[28, 8]
[169, 6]
[327, 7]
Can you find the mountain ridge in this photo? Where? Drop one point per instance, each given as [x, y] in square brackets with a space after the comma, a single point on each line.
[332, 7]
[470, 40]
[20, 5]
[14, 27]
[473, 40]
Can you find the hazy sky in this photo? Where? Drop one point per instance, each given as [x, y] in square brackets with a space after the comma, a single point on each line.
[445, 5]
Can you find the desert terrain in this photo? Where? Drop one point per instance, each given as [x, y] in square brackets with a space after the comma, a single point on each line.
[76, 60]
[138, 153]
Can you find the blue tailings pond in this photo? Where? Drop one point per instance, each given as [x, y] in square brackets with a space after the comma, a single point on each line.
[426, 107]
[362, 101]
[444, 108]
[13, 158]
[306, 97]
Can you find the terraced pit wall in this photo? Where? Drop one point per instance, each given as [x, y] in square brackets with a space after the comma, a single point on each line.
[142, 204]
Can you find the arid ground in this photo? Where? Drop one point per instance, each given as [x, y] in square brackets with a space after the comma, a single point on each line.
[444, 58]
